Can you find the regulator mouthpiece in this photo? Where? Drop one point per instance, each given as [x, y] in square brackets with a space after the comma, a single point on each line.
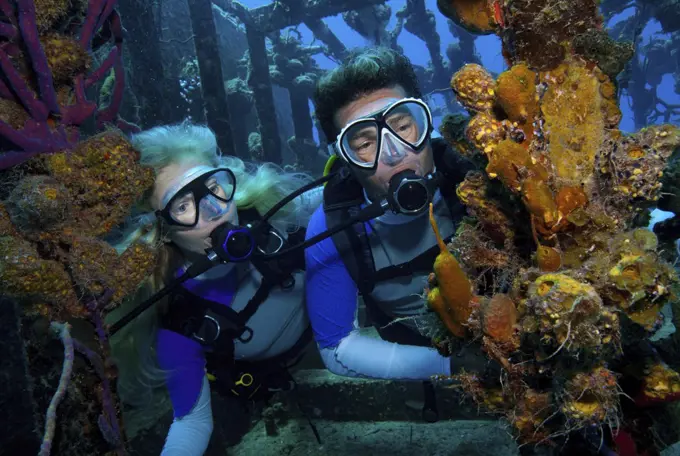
[409, 193]
[232, 243]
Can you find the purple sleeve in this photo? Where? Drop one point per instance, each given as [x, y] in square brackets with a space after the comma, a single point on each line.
[331, 292]
[183, 359]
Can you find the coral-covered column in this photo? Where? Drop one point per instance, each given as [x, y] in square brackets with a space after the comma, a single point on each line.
[212, 80]
[260, 84]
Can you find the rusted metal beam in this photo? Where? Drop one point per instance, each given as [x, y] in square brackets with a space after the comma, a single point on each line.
[210, 68]
[324, 34]
[278, 14]
[260, 83]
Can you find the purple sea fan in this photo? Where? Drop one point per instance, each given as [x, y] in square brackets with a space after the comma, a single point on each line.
[52, 111]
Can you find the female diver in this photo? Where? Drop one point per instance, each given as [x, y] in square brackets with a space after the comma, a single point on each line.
[221, 330]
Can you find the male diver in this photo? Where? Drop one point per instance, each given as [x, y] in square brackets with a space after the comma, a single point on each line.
[380, 135]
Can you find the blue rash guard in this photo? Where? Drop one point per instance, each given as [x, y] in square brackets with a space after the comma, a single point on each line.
[328, 282]
[332, 302]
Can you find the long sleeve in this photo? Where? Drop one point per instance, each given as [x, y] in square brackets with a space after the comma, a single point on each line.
[331, 294]
[363, 356]
[332, 307]
[189, 389]
[190, 434]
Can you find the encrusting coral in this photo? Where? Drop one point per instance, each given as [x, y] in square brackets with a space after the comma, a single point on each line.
[451, 291]
[55, 265]
[574, 280]
[51, 222]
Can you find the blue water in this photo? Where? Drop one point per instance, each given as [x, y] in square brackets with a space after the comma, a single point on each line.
[488, 48]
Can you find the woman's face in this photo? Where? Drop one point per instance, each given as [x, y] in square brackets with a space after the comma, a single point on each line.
[211, 211]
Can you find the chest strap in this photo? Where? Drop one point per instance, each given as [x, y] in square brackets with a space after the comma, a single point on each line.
[209, 322]
[418, 265]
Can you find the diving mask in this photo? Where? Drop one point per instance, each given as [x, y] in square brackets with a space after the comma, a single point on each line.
[366, 141]
[203, 190]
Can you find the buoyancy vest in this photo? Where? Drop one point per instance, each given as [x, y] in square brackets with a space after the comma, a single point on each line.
[218, 327]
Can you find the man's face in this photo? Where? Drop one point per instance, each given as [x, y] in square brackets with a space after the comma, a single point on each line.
[395, 156]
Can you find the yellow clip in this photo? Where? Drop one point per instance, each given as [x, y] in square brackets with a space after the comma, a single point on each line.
[211, 377]
[245, 380]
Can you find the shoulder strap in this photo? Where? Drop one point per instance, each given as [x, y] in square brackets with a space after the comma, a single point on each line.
[418, 265]
[258, 298]
[221, 359]
[355, 250]
[343, 190]
[342, 197]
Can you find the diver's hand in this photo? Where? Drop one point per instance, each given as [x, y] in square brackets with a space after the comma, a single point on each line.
[471, 359]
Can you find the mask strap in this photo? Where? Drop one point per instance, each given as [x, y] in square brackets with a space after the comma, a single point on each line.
[295, 194]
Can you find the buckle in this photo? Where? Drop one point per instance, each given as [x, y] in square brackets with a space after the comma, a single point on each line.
[278, 238]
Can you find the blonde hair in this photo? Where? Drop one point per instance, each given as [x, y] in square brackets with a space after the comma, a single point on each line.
[257, 186]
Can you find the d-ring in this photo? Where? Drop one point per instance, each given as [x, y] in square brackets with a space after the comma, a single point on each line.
[217, 327]
[246, 335]
[281, 242]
